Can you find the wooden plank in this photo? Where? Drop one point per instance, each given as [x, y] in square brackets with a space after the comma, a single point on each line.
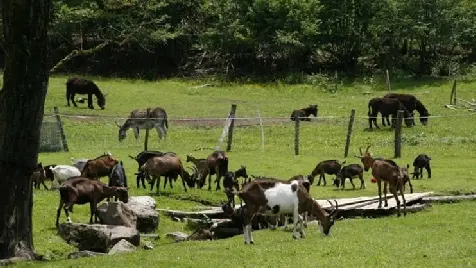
[448, 199]
[344, 202]
[393, 204]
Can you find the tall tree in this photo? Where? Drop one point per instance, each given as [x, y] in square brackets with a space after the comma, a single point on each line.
[25, 81]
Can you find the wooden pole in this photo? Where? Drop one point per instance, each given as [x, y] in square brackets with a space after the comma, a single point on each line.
[146, 141]
[453, 94]
[296, 135]
[230, 129]
[398, 134]
[349, 132]
[387, 80]
[60, 127]
[262, 130]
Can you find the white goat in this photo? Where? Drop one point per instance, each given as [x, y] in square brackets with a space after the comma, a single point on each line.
[62, 173]
[272, 197]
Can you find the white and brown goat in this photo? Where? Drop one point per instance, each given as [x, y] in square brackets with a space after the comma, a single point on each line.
[80, 190]
[273, 197]
[390, 174]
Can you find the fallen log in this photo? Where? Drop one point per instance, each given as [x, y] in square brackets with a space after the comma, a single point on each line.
[448, 198]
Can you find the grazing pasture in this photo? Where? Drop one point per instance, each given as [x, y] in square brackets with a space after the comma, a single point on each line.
[437, 237]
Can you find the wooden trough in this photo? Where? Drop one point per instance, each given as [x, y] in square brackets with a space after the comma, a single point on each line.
[365, 206]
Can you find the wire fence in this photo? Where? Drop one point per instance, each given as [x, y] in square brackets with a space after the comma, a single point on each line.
[324, 134]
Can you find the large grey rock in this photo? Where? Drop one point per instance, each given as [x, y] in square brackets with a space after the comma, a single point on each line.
[177, 236]
[96, 237]
[117, 213]
[122, 247]
[84, 253]
[147, 216]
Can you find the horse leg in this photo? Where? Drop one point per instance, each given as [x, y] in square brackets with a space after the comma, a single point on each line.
[136, 132]
[72, 99]
[159, 131]
[90, 101]
[428, 169]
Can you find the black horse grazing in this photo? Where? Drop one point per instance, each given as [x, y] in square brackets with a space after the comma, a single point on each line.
[423, 112]
[303, 114]
[387, 107]
[77, 85]
[411, 103]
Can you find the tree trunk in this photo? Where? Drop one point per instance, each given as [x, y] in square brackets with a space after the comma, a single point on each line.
[25, 81]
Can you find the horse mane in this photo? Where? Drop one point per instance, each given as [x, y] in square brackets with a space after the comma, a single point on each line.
[421, 108]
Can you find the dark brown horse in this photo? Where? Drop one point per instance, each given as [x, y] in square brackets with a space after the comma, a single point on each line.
[77, 85]
[304, 113]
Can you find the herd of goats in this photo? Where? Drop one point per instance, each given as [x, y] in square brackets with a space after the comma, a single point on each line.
[79, 183]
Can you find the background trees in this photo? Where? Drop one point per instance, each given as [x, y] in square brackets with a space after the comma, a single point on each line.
[243, 37]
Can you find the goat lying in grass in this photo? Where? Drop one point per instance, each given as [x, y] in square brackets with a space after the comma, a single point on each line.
[273, 197]
[391, 175]
[79, 190]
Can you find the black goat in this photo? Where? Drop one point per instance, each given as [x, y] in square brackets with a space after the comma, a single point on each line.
[420, 162]
[348, 172]
[331, 167]
[117, 177]
[230, 181]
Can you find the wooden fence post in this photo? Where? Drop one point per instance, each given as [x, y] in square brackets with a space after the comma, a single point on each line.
[398, 134]
[60, 126]
[146, 141]
[296, 135]
[387, 79]
[349, 132]
[262, 130]
[453, 94]
[230, 129]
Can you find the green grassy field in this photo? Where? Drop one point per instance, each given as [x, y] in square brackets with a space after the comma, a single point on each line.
[442, 236]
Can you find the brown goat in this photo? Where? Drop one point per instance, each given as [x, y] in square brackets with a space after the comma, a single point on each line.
[200, 170]
[217, 164]
[391, 175]
[99, 167]
[168, 165]
[39, 177]
[80, 190]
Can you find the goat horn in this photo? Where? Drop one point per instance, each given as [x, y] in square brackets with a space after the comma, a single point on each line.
[117, 124]
[358, 156]
[360, 149]
[132, 157]
[334, 208]
[367, 150]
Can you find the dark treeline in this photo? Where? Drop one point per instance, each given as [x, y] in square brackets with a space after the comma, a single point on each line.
[150, 38]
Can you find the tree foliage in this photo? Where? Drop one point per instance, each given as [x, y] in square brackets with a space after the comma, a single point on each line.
[418, 37]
